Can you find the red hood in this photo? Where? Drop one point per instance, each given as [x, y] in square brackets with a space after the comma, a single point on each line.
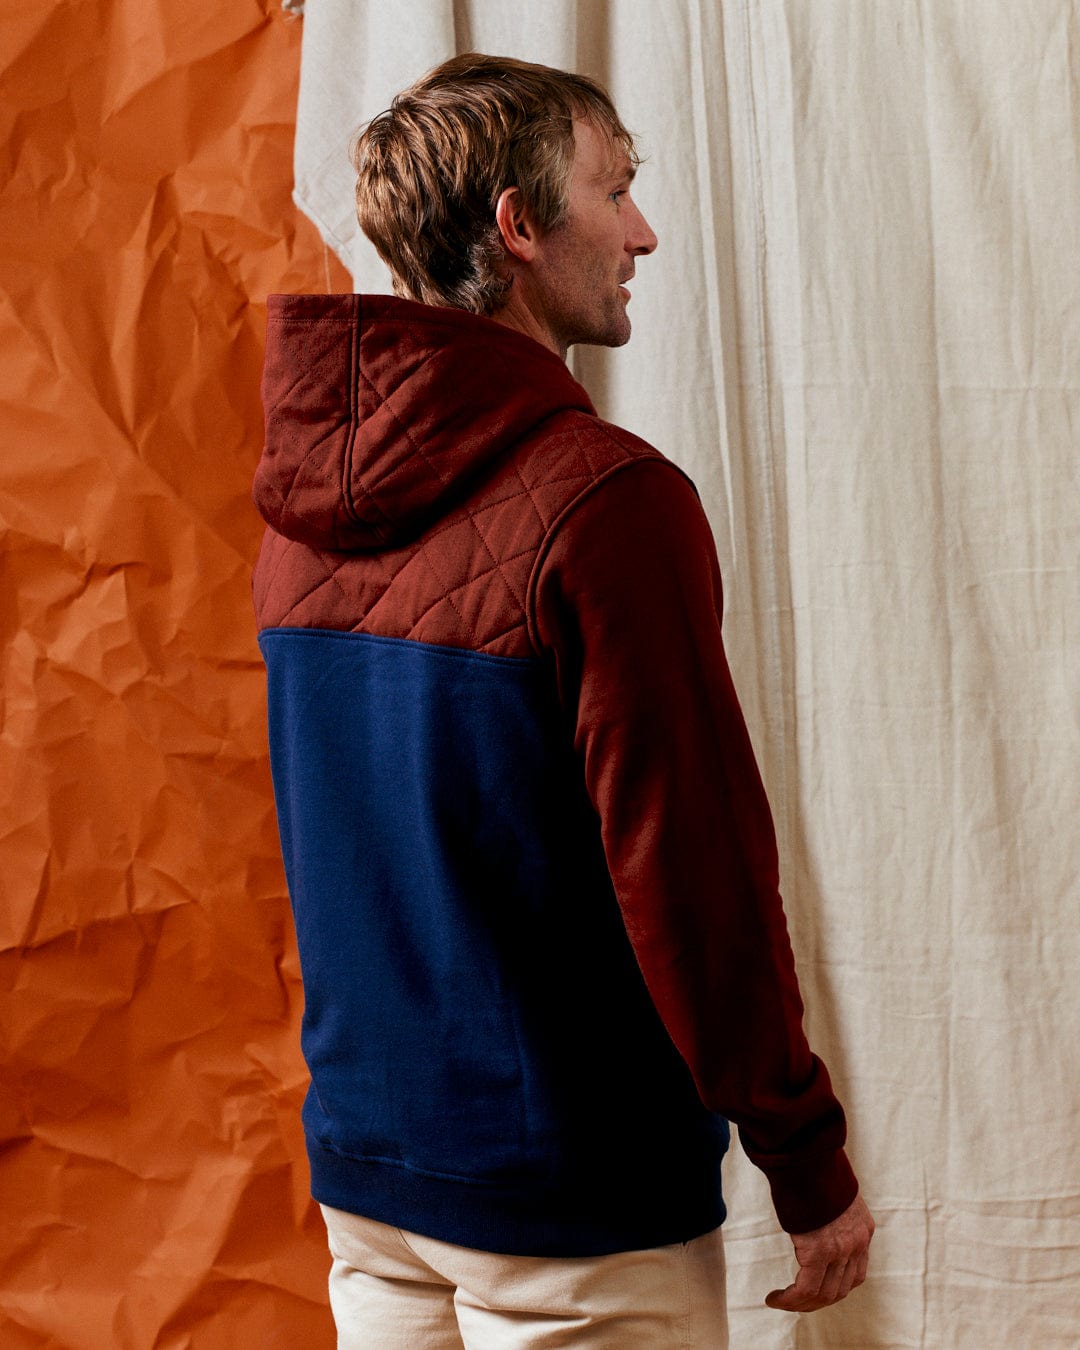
[379, 412]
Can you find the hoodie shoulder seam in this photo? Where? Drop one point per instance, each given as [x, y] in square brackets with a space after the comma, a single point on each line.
[642, 454]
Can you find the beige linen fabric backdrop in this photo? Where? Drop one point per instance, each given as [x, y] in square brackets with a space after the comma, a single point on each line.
[861, 336]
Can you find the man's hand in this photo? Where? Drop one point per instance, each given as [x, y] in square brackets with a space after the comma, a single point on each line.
[832, 1261]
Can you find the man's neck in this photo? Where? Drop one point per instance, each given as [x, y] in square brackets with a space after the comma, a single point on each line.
[517, 314]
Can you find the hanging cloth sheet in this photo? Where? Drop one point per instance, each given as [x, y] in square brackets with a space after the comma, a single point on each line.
[861, 336]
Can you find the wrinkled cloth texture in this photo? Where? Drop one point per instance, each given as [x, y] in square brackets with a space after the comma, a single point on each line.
[868, 217]
[531, 861]
[153, 1183]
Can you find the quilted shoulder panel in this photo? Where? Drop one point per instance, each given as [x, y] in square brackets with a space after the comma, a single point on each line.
[464, 581]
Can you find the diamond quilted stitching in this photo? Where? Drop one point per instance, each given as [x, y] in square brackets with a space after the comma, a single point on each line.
[464, 582]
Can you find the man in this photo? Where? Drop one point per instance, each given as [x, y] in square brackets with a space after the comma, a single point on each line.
[531, 862]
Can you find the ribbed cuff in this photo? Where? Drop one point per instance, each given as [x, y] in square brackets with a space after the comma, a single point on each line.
[812, 1192]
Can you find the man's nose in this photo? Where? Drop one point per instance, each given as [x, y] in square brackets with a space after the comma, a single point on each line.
[640, 238]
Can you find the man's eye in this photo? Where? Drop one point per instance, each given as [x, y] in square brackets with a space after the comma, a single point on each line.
[619, 192]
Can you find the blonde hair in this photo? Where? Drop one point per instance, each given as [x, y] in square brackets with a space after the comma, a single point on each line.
[430, 170]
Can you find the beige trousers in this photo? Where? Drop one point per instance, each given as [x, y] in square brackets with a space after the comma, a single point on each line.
[392, 1290]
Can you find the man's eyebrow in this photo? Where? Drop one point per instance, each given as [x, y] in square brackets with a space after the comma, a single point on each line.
[619, 172]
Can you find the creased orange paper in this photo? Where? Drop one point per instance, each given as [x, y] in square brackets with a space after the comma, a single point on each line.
[153, 1185]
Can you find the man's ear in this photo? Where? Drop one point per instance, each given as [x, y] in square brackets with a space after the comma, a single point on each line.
[519, 234]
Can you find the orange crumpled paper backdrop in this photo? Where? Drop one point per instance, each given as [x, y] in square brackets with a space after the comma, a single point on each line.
[153, 1183]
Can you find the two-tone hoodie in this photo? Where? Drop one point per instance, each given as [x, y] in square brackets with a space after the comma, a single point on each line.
[531, 862]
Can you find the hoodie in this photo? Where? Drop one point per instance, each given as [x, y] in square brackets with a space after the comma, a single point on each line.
[531, 863]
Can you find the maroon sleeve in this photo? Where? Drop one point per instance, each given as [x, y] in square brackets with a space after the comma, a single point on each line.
[628, 602]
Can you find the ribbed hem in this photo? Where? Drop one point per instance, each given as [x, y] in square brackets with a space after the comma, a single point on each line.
[544, 1220]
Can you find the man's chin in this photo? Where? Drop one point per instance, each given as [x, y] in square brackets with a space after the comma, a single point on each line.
[610, 340]
[616, 334]
[620, 335]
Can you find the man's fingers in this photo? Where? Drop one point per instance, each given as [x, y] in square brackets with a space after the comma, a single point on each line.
[777, 1298]
[832, 1286]
[848, 1280]
[814, 1288]
[804, 1294]
[782, 1299]
[787, 1300]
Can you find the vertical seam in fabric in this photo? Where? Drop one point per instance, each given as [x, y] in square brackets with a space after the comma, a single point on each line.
[688, 1318]
[354, 403]
[771, 621]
